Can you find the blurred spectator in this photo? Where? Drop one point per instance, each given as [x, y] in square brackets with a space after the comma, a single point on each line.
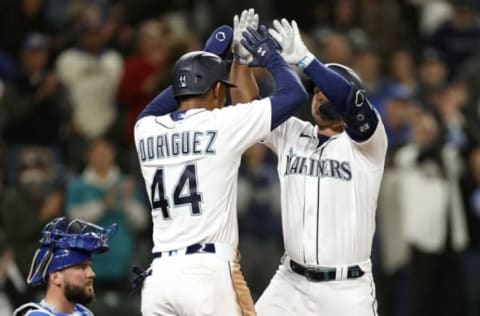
[384, 23]
[432, 219]
[22, 17]
[469, 75]
[395, 255]
[90, 73]
[432, 14]
[102, 195]
[433, 74]
[402, 72]
[343, 17]
[28, 205]
[335, 47]
[398, 111]
[144, 74]
[37, 111]
[458, 37]
[447, 103]
[259, 218]
[471, 198]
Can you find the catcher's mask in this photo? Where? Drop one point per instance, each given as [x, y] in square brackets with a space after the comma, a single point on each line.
[328, 109]
[65, 244]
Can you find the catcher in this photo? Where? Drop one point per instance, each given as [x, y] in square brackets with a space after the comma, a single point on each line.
[63, 263]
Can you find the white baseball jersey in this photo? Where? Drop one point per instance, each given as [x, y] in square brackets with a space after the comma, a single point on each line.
[190, 168]
[329, 192]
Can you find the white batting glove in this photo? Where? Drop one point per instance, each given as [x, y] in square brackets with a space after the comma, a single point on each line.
[288, 37]
[248, 18]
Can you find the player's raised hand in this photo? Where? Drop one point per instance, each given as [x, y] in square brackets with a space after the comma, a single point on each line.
[261, 45]
[288, 37]
[248, 18]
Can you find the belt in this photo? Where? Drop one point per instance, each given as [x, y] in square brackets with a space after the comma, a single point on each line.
[319, 274]
[190, 250]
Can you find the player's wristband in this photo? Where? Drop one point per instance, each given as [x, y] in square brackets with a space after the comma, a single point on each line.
[306, 60]
[240, 60]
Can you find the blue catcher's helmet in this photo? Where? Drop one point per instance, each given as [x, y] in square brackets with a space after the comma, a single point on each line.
[65, 244]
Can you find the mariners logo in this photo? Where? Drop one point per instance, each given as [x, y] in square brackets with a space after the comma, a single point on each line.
[322, 168]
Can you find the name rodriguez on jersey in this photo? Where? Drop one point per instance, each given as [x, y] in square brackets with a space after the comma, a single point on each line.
[175, 144]
[318, 167]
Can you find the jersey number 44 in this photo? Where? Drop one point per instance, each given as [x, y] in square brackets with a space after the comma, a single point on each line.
[184, 192]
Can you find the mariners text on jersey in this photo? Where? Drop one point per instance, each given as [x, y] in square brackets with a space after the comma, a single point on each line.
[318, 167]
[176, 144]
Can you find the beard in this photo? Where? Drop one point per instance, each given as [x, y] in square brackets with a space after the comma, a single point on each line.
[325, 116]
[77, 294]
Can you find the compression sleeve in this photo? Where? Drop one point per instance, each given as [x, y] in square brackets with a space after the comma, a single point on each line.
[332, 85]
[289, 95]
[162, 104]
[360, 118]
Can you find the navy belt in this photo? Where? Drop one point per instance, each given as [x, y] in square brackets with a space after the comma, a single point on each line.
[319, 274]
[190, 250]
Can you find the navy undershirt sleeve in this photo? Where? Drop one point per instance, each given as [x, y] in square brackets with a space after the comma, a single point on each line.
[351, 103]
[332, 85]
[289, 95]
[162, 104]
[361, 120]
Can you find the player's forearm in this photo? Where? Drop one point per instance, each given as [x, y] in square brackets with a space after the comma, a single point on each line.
[333, 86]
[247, 88]
[162, 104]
[289, 95]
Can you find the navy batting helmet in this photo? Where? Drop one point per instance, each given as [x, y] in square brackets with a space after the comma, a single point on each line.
[65, 244]
[196, 72]
[344, 71]
[347, 73]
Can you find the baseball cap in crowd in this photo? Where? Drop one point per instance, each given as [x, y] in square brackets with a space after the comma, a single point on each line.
[35, 41]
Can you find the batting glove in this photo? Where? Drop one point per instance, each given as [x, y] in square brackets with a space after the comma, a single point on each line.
[219, 41]
[288, 37]
[248, 18]
[262, 47]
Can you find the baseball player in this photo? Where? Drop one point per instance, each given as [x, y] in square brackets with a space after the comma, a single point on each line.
[330, 176]
[63, 263]
[189, 160]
